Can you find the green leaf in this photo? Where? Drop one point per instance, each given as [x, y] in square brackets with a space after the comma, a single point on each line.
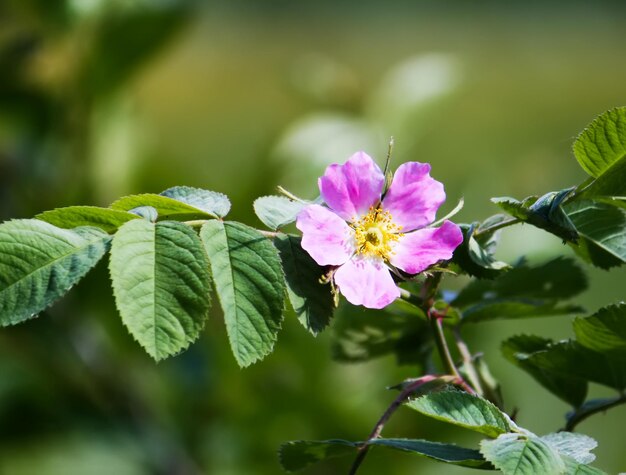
[311, 300]
[161, 284]
[448, 453]
[515, 308]
[560, 278]
[74, 216]
[602, 230]
[277, 211]
[611, 183]
[250, 286]
[576, 446]
[571, 359]
[572, 467]
[603, 143]
[361, 334]
[519, 454]
[476, 257]
[146, 212]
[604, 330]
[544, 212]
[300, 454]
[211, 202]
[40, 262]
[166, 207]
[464, 410]
[517, 350]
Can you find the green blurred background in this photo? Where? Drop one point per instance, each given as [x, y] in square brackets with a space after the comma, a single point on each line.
[103, 98]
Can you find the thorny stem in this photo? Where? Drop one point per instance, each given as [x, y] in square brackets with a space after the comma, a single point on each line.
[495, 227]
[583, 413]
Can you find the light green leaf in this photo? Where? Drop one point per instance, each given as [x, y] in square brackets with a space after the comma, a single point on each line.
[464, 410]
[167, 208]
[74, 216]
[300, 454]
[576, 446]
[475, 257]
[603, 143]
[277, 211]
[602, 231]
[146, 212]
[518, 349]
[604, 330]
[572, 467]
[518, 454]
[211, 202]
[311, 300]
[40, 262]
[250, 286]
[161, 284]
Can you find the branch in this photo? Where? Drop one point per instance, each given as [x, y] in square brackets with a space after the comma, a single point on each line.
[590, 408]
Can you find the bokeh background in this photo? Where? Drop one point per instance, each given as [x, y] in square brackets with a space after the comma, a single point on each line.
[101, 98]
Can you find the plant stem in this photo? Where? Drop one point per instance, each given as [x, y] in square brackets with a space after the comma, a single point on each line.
[496, 227]
[442, 345]
[582, 413]
[468, 362]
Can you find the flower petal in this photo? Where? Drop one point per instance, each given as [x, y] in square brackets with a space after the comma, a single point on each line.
[352, 188]
[413, 197]
[325, 236]
[420, 249]
[367, 282]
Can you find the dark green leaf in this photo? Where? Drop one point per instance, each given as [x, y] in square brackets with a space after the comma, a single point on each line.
[361, 334]
[602, 230]
[515, 308]
[517, 350]
[476, 257]
[311, 300]
[74, 216]
[211, 202]
[544, 213]
[40, 262]
[560, 278]
[604, 330]
[603, 143]
[300, 454]
[576, 446]
[522, 454]
[570, 359]
[464, 410]
[277, 211]
[250, 286]
[161, 284]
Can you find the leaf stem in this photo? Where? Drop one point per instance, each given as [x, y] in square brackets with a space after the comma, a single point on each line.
[468, 361]
[436, 323]
[599, 405]
[496, 227]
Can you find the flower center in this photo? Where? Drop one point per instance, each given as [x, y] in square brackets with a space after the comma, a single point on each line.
[375, 232]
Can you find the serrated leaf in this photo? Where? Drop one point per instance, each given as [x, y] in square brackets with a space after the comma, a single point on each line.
[167, 208]
[250, 286]
[517, 454]
[603, 143]
[211, 202]
[40, 262]
[476, 257]
[517, 350]
[311, 300]
[560, 278]
[74, 216]
[576, 446]
[515, 308]
[361, 334]
[277, 211]
[571, 359]
[464, 410]
[604, 330]
[572, 467]
[544, 212]
[602, 229]
[300, 454]
[161, 284]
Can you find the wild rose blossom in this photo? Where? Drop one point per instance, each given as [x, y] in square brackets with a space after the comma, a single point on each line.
[362, 235]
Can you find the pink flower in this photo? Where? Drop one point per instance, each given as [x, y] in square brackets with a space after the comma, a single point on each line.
[362, 236]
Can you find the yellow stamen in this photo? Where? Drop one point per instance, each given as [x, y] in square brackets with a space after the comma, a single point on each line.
[375, 232]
